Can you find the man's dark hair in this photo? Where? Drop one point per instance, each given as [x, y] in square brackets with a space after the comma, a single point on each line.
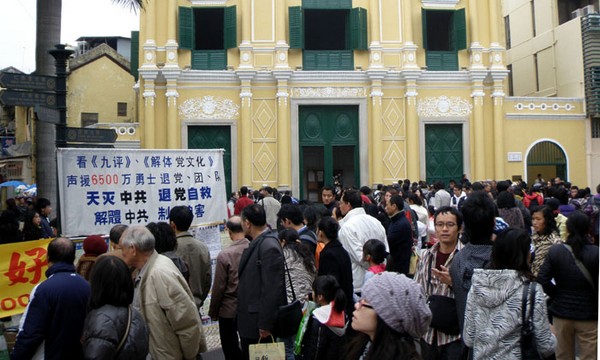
[182, 217]
[330, 188]
[353, 198]
[244, 190]
[479, 214]
[255, 214]
[438, 185]
[41, 203]
[449, 210]
[116, 232]
[458, 186]
[291, 212]
[111, 283]
[365, 190]
[268, 189]
[502, 185]
[234, 226]
[61, 250]
[398, 201]
[477, 186]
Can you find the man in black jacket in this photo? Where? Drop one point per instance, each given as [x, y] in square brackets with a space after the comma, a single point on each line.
[261, 289]
[399, 236]
[54, 318]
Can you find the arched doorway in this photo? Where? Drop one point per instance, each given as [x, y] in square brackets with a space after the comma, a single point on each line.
[546, 158]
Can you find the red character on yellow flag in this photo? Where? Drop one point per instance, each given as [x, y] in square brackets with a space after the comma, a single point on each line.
[22, 266]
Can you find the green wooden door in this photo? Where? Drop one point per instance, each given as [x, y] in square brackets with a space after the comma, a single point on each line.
[213, 137]
[328, 139]
[443, 152]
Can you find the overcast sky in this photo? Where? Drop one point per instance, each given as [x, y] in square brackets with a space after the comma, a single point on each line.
[79, 18]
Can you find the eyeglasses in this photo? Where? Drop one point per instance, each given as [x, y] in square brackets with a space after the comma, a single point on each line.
[442, 225]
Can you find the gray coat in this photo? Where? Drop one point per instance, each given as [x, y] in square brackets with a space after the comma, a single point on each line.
[105, 327]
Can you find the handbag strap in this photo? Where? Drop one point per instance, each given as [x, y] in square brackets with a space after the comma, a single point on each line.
[122, 342]
[287, 270]
[532, 302]
[524, 319]
[429, 273]
[581, 267]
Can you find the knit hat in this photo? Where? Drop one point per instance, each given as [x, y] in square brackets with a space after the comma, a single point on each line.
[399, 302]
[94, 245]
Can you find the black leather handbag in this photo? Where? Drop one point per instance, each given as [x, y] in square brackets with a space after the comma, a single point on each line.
[444, 316]
[289, 316]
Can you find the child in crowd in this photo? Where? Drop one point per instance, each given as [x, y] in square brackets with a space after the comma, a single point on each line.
[374, 253]
[324, 337]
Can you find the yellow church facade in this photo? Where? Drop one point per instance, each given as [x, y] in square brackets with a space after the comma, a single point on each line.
[371, 91]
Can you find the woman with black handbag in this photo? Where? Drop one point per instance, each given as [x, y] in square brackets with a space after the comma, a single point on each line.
[502, 298]
[299, 274]
[574, 291]
[442, 340]
[113, 329]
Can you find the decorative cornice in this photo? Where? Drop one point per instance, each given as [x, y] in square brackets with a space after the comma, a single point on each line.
[201, 76]
[209, 107]
[329, 92]
[440, 4]
[209, 2]
[444, 106]
[561, 117]
[329, 76]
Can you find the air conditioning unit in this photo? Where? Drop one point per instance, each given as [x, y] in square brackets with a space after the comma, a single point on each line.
[577, 13]
[590, 9]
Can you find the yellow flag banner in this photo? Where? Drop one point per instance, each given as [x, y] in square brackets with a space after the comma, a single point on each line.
[23, 265]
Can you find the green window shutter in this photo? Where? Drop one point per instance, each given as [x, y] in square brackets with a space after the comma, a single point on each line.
[460, 29]
[346, 60]
[442, 60]
[186, 28]
[450, 61]
[327, 4]
[424, 27]
[134, 56]
[209, 59]
[230, 28]
[296, 27]
[434, 61]
[358, 28]
[331, 60]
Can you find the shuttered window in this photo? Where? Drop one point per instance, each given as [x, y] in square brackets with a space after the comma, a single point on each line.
[208, 33]
[328, 35]
[444, 34]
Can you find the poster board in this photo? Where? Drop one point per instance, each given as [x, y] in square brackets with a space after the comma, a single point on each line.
[100, 188]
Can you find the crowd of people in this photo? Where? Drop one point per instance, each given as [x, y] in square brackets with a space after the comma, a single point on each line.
[482, 270]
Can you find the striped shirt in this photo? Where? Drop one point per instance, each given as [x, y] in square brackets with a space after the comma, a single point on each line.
[433, 286]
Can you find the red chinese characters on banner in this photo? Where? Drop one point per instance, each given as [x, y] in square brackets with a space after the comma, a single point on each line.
[34, 263]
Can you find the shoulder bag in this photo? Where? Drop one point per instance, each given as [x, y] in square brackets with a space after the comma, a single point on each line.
[124, 338]
[582, 268]
[444, 316]
[529, 349]
[289, 316]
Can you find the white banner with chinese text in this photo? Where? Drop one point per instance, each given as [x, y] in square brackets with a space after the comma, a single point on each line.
[99, 188]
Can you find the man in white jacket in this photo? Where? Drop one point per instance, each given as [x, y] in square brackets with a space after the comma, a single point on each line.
[355, 229]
